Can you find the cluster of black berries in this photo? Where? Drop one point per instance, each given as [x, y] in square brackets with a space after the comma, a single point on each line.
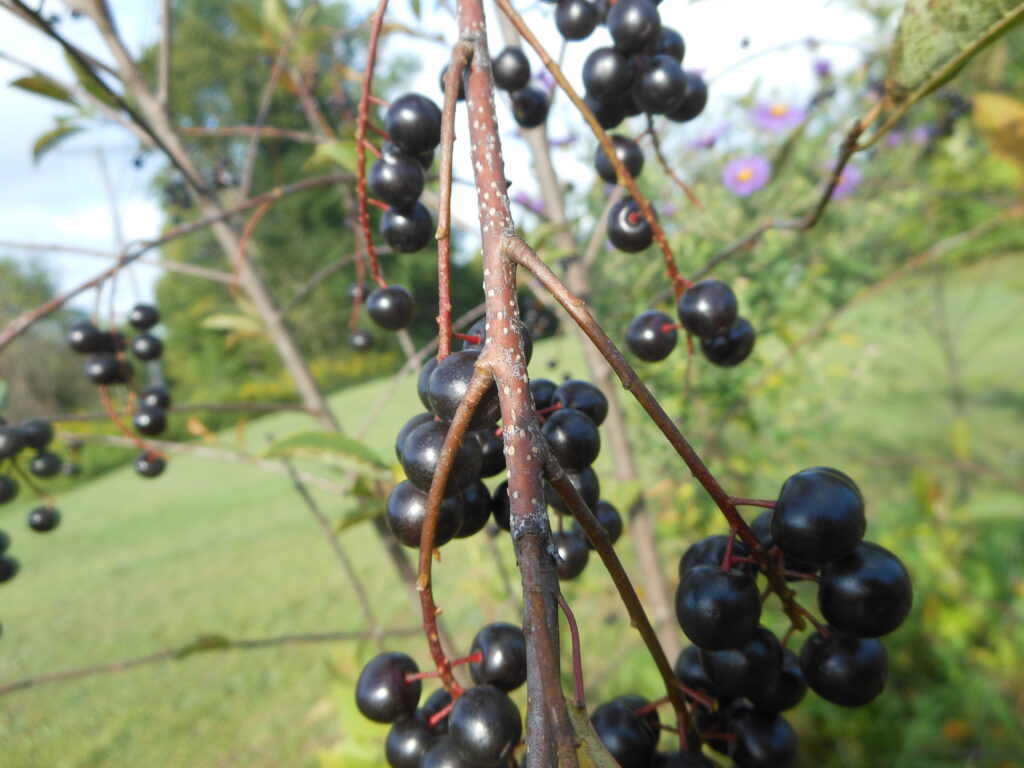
[480, 728]
[108, 365]
[742, 675]
[629, 727]
[708, 310]
[34, 434]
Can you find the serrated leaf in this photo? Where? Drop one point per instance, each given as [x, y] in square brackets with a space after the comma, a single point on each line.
[51, 139]
[41, 85]
[1000, 121]
[330, 448]
[90, 83]
[591, 753]
[342, 153]
[204, 643]
[936, 38]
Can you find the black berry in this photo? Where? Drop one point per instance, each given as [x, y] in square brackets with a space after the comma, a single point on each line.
[503, 648]
[573, 553]
[652, 336]
[819, 516]
[846, 670]
[413, 122]
[37, 433]
[43, 519]
[634, 25]
[628, 152]
[530, 106]
[422, 452]
[607, 76]
[149, 465]
[485, 726]
[660, 85]
[627, 227]
[45, 464]
[383, 692]
[717, 610]
[146, 346]
[406, 508]
[708, 308]
[576, 19]
[398, 180]
[511, 69]
[392, 308]
[732, 347]
[573, 438]
[150, 421]
[143, 317]
[407, 230]
[867, 593]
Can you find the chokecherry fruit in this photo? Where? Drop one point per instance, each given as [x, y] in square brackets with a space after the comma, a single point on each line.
[652, 336]
[406, 507]
[149, 464]
[690, 672]
[84, 337]
[629, 154]
[511, 69]
[143, 317]
[392, 308]
[449, 383]
[43, 519]
[422, 452]
[501, 506]
[150, 421]
[409, 426]
[624, 733]
[572, 438]
[530, 106]
[407, 230]
[608, 517]
[460, 95]
[763, 740]
[485, 726]
[12, 441]
[9, 568]
[711, 551]
[583, 396]
[819, 515]
[717, 610]
[407, 742]
[45, 464]
[444, 754]
[476, 509]
[155, 397]
[573, 553]
[389, 151]
[867, 593]
[37, 433]
[660, 85]
[708, 308]
[384, 693]
[634, 25]
[609, 114]
[586, 483]
[360, 340]
[492, 450]
[693, 102]
[732, 347]
[423, 382]
[398, 180]
[502, 647]
[787, 690]
[761, 527]
[8, 490]
[576, 19]
[628, 229]
[437, 701]
[146, 346]
[543, 391]
[844, 669]
[671, 44]
[607, 76]
[746, 669]
[413, 122]
[102, 369]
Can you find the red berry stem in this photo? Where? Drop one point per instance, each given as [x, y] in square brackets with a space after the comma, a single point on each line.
[577, 656]
[701, 698]
[379, 101]
[727, 560]
[666, 166]
[373, 150]
[377, 203]
[550, 409]
[441, 714]
[27, 479]
[108, 406]
[473, 658]
[378, 130]
[472, 339]
[766, 503]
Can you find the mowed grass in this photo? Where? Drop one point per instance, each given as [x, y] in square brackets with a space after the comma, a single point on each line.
[140, 566]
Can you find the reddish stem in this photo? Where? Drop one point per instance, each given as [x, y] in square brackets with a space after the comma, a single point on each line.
[379, 204]
[727, 557]
[467, 337]
[379, 102]
[577, 656]
[441, 714]
[373, 150]
[766, 503]
[108, 406]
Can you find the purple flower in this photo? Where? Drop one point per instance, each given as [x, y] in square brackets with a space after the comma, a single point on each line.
[921, 135]
[777, 116]
[823, 68]
[849, 180]
[746, 175]
[894, 139]
[708, 140]
[544, 80]
[528, 201]
[565, 141]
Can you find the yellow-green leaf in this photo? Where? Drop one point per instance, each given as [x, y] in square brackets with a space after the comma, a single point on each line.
[91, 84]
[204, 643]
[1000, 121]
[330, 448]
[41, 85]
[341, 153]
[52, 138]
[591, 753]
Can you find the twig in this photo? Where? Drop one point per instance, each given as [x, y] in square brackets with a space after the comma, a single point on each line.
[163, 71]
[656, 143]
[190, 408]
[264, 131]
[577, 656]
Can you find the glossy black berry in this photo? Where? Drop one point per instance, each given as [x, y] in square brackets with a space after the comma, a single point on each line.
[146, 346]
[671, 44]
[649, 715]
[608, 517]
[628, 230]
[503, 662]
[391, 308]
[786, 691]
[492, 449]
[9, 568]
[746, 669]
[867, 593]
[485, 726]
[449, 383]
[460, 95]
[543, 391]
[12, 442]
[84, 337]
[763, 740]
[407, 428]
[383, 694]
[111, 342]
[511, 69]
[390, 151]
[444, 754]
[45, 464]
[530, 106]
[423, 382]
[846, 670]
[360, 340]
[476, 509]
[407, 230]
[573, 438]
[717, 610]
[819, 516]
[609, 114]
[624, 734]
[711, 551]
[397, 181]
[690, 672]
[732, 347]
[8, 491]
[150, 421]
[407, 742]
[652, 336]
[422, 452]
[573, 553]
[37, 433]
[585, 481]
[103, 369]
[761, 527]
[634, 25]
[437, 701]
[155, 396]
[708, 308]
[406, 507]
[583, 396]
[576, 19]
[693, 102]
[501, 506]
[149, 465]
[143, 317]
[43, 519]
[413, 122]
[607, 76]
[660, 85]
[628, 152]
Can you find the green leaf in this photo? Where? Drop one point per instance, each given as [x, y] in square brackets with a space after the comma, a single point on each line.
[41, 85]
[591, 753]
[247, 21]
[360, 514]
[52, 138]
[341, 153]
[237, 323]
[417, 8]
[4, 392]
[936, 38]
[330, 448]
[276, 18]
[90, 83]
[204, 643]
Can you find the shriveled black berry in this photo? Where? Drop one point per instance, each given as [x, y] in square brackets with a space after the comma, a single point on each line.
[732, 347]
[146, 346]
[717, 610]
[422, 452]
[392, 308]
[360, 340]
[576, 19]
[583, 396]
[573, 553]
[511, 69]
[530, 106]
[628, 229]
[45, 464]
[671, 44]
[492, 449]
[763, 740]
[413, 122]
[383, 692]
[149, 465]
[12, 441]
[84, 337]
[608, 517]
[693, 102]
[746, 669]
[8, 491]
[607, 76]
[43, 519]
[150, 421]
[844, 669]
[406, 507]
[407, 230]
[628, 152]
[708, 308]
[143, 317]
[573, 438]
[485, 726]
[407, 742]
[397, 181]
[585, 481]
[503, 650]
[476, 509]
[652, 336]
[155, 396]
[867, 593]
[660, 85]
[624, 734]
[819, 516]
[634, 25]
[37, 433]
[449, 383]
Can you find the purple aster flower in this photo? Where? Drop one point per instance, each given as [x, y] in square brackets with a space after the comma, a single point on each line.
[822, 68]
[708, 140]
[746, 175]
[849, 180]
[528, 201]
[921, 135]
[894, 139]
[777, 116]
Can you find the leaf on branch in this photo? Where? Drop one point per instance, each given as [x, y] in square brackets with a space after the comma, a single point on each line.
[52, 138]
[359, 515]
[330, 448]
[204, 643]
[936, 38]
[41, 85]
[276, 18]
[342, 153]
[591, 753]
[236, 323]
[394, 27]
[1000, 121]
[90, 83]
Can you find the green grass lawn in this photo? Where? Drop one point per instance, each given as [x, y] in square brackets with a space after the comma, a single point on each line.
[139, 566]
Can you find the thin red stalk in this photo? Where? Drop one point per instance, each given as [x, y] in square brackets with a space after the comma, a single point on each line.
[31, 483]
[668, 168]
[378, 204]
[727, 557]
[108, 406]
[577, 656]
[766, 503]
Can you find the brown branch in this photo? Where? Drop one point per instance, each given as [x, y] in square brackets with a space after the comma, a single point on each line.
[163, 70]
[190, 408]
[264, 131]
